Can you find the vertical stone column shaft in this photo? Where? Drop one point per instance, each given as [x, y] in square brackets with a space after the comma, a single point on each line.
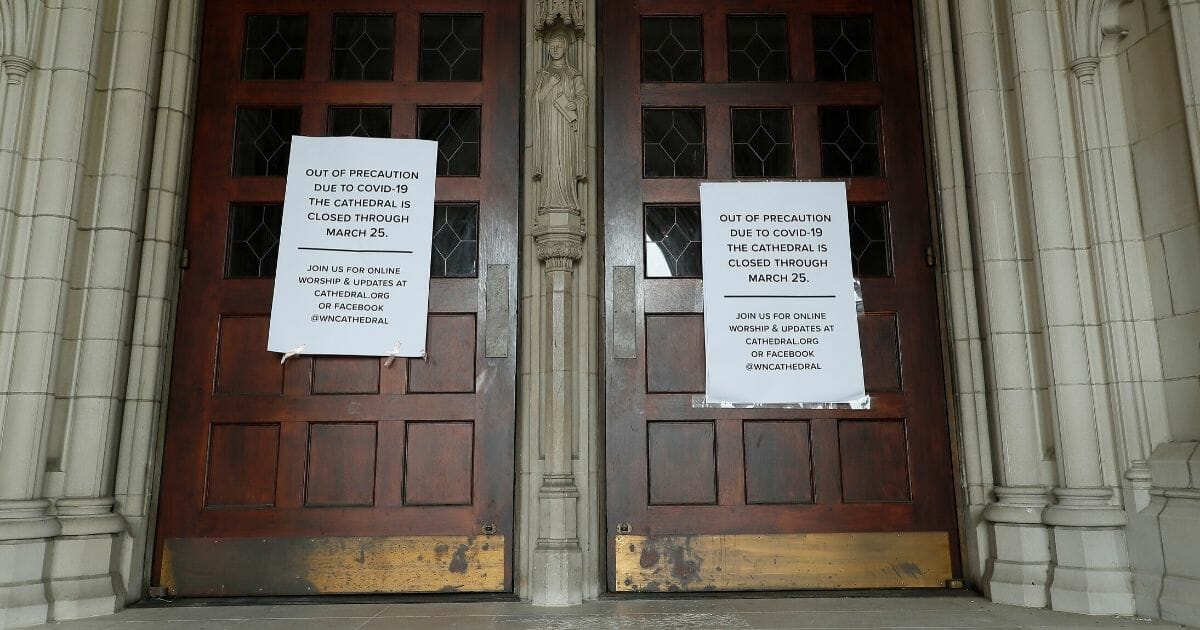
[958, 284]
[1067, 292]
[158, 275]
[112, 227]
[38, 253]
[43, 181]
[1019, 571]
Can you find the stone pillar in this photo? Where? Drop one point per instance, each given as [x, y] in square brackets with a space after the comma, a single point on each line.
[557, 578]
[558, 513]
[1091, 572]
[37, 247]
[157, 289]
[1020, 567]
[958, 275]
[1185, 23]
[95, 360]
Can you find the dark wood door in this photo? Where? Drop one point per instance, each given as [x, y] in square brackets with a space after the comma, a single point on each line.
[342, 474]
[732, 499]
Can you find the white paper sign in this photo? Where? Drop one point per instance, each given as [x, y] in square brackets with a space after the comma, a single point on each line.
[353, 271]
[780, 311]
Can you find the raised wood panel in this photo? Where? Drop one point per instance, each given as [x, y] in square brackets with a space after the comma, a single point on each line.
[439, 463]
[874, 461]
[674, 354]
[345, 375]
[450, 364]
[243, 364]
[881, 352]
[683, 463]
[341, 464]
[241, 465]
[778, 460]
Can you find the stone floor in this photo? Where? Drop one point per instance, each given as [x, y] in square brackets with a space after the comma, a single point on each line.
[962, 611]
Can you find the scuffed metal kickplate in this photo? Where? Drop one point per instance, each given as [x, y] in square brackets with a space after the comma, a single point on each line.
[306, 566]
[741, 562]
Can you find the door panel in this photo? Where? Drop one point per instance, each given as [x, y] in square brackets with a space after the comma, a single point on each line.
[732, 499]
[345, 474]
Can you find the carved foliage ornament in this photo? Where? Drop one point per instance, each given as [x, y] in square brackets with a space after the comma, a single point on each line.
[565, 248]
[551, 11]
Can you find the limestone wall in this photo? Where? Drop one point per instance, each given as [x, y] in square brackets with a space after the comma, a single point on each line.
[1170, 217]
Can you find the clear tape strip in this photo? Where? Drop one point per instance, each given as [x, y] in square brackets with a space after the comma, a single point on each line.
[699, 401]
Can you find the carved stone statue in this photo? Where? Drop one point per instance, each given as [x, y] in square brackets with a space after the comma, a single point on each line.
[560, 127]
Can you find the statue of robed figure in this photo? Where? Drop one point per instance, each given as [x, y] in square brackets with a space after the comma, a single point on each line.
[559, 113]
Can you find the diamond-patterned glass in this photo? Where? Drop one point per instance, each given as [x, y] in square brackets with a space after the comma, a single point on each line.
[671, 49]
[362, 47]
[673, 142]
[762, 143]
[850, 142]
[274, 47]
[252, 241]
[456, 130]
[673, 241]
[364, 122]
[451, 47]
[455, 241]
[263, 140]
[844, 48]
[758, 49]
[870, 245]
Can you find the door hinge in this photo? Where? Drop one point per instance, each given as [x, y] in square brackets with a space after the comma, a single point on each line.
[185, 258]
[929, 259]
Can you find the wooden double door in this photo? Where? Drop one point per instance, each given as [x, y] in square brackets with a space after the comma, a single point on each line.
[346, 475]
[706, 498]
[343, 474]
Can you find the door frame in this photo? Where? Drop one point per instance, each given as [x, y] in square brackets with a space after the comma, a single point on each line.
[147, 382]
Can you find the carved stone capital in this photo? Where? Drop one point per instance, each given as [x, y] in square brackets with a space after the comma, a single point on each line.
[559, 253]
[17, 68]
[558, 238]
[1085, 68]
[551, 12]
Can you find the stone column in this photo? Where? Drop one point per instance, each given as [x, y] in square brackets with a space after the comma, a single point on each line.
[1020, 567]
[15, 69]
[157, 289]
[1185, 23]
[557, 578]
[1091, 573]
[95, 354]
[958, 275]
[559, 433]
[36, 266]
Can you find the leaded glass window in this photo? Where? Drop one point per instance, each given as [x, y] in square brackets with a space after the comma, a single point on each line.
[274, 47]
[671, 49]
[673, 142]
[263, 140]
[672, 234]
[252, 240]
[758, 49]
